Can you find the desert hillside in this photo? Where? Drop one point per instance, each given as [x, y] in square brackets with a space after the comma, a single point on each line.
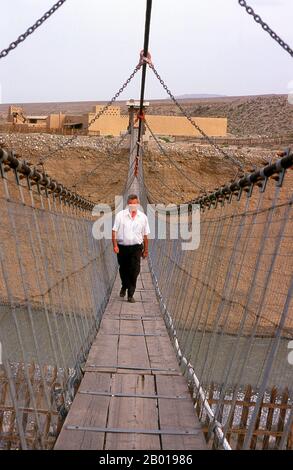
[263, 115]
[247, 116]
[97, 167]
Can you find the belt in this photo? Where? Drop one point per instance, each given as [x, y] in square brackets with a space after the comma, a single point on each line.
[134, 246]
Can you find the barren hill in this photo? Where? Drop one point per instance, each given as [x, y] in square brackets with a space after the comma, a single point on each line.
[95, 164]
[97, 168]
[247, 115]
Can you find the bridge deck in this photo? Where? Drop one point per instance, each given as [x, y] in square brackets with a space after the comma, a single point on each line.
[133, 395]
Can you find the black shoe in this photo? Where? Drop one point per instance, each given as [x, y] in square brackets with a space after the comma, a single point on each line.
[122, 292]
[131, 299]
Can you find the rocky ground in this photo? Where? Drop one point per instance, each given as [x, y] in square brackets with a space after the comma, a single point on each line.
[190, 169]
[97, 167]
[94, 167]
[261, 115]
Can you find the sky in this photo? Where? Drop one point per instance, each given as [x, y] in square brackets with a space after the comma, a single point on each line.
[87, 49]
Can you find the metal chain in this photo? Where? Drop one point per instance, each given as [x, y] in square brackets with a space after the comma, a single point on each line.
[125, 84]
[95, 118]
[266, 27]
[32, 29]
[117, 146]
[157, 175]
[184, 112]
[165, 153]
[109, 157]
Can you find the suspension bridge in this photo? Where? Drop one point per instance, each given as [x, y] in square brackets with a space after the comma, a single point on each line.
[201, 360]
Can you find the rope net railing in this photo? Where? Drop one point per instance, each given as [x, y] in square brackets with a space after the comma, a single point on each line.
[228, 306]
[227, 303]
[55, 281]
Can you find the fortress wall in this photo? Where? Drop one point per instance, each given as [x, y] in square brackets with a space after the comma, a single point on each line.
[180, 126]
[161, 125]
[109, 125]
[113, 123]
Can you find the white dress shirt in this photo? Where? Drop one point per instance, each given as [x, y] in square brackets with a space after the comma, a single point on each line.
[131, 230]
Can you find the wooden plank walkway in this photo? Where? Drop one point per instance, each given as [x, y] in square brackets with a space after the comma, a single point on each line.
[133, 395]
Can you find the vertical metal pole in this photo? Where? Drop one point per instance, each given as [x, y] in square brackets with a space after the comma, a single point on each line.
[143, 79]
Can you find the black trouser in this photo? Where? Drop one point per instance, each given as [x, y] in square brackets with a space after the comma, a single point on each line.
[129, 265]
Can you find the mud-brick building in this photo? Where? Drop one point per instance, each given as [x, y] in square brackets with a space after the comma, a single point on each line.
[113, 123]
[16, 116]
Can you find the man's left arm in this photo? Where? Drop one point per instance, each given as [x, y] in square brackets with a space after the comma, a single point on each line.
[145, 239]
[145, 252]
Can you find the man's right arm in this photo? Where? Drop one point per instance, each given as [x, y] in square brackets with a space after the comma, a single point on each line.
[114, 234]
[114, 241]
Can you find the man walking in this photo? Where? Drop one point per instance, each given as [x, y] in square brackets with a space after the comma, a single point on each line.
[130, 241]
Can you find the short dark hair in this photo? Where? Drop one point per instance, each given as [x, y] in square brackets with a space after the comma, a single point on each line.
[132, 196]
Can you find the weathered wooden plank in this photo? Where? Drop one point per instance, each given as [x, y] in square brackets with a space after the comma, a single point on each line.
[180, 415]
[113, 366]
[156, 325]
[137, 318]
[178, 385]
[147, 283]
[133, 413]
[152, 309]
[117, 368]
[98, 382]
[149, 295]
[139, 283]
[132, 309]
[87, 410]
[132, 351]
[114, 308]
[152, 289]
[161, 353]
[128, 326]
[146, 276]
[109, 325]
[144, 268]
[104, 350]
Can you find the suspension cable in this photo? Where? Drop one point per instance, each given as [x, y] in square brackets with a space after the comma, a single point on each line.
[96, 117]
[31, 29]
[158, 176]
[109, 157]
[161, 148]
[193, 123]
[266, 27]
[128, 183]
